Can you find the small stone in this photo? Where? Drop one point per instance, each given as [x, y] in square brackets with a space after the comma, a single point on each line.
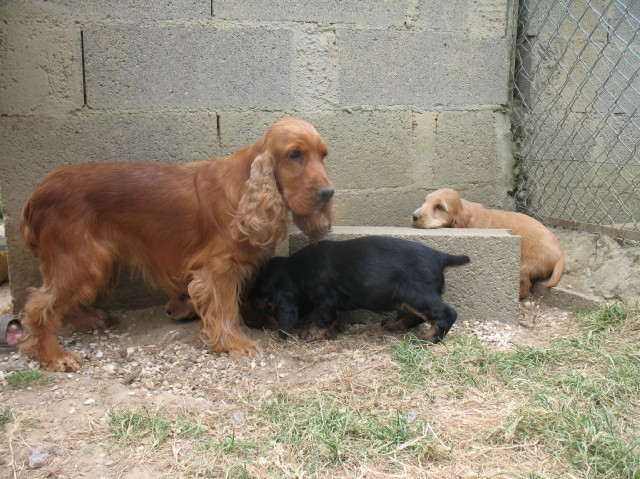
[38, 458]
[99, 354]
[150, 385]
[89, 401]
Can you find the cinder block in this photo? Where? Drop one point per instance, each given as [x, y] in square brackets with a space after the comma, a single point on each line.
[199, 66]
[478, 19]
[422, 69]
[466, 149]
[485, 289]
[132, 11]
[314, 75]
[40, 70]
[370, 13]
[376, 207]
[368, 149]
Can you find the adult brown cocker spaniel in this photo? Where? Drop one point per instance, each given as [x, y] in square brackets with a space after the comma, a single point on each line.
[198, 230]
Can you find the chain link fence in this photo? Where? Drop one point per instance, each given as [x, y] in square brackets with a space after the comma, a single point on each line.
[575, 114]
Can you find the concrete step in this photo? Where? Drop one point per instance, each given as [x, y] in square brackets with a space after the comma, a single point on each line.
[485, 289]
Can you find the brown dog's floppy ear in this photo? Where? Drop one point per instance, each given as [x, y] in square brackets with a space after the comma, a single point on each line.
[317, 224]
[261, 218]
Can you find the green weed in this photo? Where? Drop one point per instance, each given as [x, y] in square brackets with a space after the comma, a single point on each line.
[6, 416]
[25, 379]
[142, 425]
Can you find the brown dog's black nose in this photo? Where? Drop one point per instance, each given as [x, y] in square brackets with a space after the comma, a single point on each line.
[415, 217]
[325, 194]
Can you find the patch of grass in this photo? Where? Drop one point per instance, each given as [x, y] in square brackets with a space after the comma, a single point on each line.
[580, 394]
[583, 404]
[462, 356]
[6, 416]
[610, 315]
[141, 425]
[238, 472]
[229, 444]
[25, 379]
[320, 430]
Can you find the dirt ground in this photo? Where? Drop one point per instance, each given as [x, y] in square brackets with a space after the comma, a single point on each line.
[145, 359]
[172, 372]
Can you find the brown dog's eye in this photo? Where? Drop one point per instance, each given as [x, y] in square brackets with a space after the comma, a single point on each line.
[439, 207]
[295, 155]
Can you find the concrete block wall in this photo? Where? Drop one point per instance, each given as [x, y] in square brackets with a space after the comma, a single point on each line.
[410, 95]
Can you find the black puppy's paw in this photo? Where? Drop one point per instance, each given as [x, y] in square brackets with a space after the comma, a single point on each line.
[315, 333]
[428, 331]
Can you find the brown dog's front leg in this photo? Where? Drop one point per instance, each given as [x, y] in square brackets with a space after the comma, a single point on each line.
[214, 294]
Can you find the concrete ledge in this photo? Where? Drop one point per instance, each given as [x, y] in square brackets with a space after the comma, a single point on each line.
[487, 288]
[567, 299]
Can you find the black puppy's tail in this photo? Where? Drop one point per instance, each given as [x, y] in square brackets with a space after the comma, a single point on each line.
[455, 260]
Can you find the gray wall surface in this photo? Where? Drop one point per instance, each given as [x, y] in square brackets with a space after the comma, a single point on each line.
[410, 95]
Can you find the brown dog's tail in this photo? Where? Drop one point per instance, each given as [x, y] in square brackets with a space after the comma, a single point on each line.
[558, 271]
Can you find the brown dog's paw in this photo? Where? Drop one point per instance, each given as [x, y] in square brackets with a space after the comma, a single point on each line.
[247, 350]
[314, 333]
[64, 362]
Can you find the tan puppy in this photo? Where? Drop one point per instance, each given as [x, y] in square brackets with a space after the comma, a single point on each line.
[540, 255]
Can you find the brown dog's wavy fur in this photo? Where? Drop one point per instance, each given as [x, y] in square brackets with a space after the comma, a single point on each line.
[541, 255]
[200, 228]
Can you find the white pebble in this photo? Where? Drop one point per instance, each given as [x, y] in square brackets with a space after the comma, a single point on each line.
[89, 401]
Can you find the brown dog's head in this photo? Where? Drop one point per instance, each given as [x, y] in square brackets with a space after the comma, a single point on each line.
[298, 154]
[288, 173]
[439, 210]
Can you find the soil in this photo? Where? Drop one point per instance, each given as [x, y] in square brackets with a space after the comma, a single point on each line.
[145, 359]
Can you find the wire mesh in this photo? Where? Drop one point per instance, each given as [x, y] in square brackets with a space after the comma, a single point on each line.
[575, 113]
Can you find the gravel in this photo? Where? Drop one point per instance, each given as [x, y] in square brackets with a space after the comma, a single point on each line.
[181, 366]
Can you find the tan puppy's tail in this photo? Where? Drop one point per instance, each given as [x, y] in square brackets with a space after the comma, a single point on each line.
[558, 271]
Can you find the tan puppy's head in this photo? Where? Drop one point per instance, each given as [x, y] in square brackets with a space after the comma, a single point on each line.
[439, 210]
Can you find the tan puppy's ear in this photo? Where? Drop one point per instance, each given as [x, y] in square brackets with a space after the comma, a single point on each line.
[262, 214]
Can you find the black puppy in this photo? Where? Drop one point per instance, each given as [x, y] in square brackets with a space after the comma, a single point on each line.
[373, 272]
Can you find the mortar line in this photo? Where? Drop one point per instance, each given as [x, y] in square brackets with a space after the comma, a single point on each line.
[218, 129]
[84, 73]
